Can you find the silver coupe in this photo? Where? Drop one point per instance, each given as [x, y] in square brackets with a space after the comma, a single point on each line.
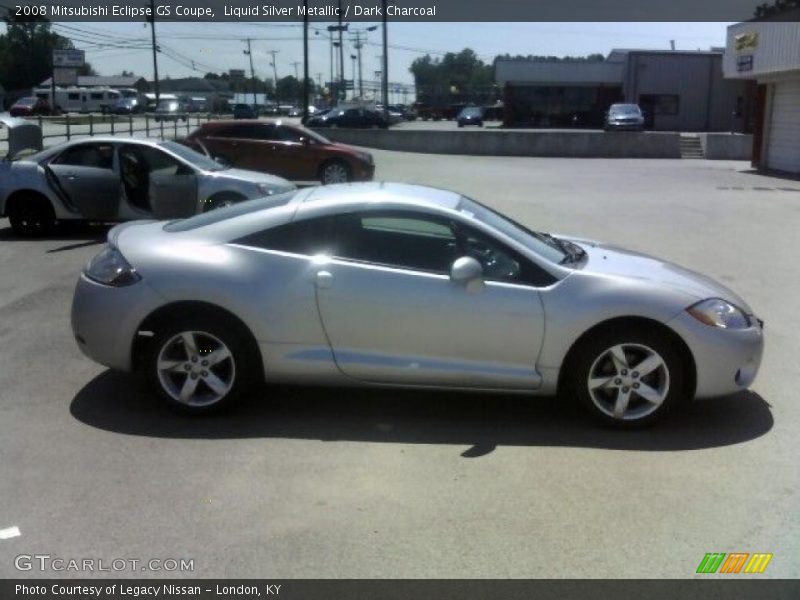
[400, 285]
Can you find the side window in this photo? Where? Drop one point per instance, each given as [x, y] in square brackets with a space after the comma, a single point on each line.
[289, 135]
[155, 160]
[309, 237]
[400, 240]
[498, 262]
[100, 156]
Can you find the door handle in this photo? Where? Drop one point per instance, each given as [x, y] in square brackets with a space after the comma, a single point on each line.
[324, 279]
[70, 175]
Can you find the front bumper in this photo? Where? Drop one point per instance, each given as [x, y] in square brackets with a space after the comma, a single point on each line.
[625, 126]
[726, 360]
[105, 319]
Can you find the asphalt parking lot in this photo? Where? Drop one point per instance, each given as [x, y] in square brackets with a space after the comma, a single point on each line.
[341, 483]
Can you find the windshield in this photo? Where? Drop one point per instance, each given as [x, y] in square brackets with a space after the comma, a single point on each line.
[25, 101]
[542, 244]
[201, 161]
[472, 111]
[228, 212]
[625, 109]
[168, 105]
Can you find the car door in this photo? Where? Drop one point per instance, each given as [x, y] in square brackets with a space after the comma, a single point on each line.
[83, 176]
[245, 146]
[393, 315]
[172, 184]
[292, 153]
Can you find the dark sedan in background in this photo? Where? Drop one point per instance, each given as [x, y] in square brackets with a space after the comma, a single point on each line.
[278, 148]
[470, 115]
[350, 117]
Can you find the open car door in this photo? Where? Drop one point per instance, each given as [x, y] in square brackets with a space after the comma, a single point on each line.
[171, 184]
[84, 177]
[173, 195]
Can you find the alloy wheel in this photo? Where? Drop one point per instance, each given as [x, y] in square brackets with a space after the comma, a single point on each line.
[628, 381]
[335, 173]
[196, 368]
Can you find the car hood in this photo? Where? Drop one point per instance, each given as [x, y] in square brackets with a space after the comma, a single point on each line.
[606, 259]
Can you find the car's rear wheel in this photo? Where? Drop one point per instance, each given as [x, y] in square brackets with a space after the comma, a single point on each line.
[334, 171]
[629, 377]
[31, 215]
[199, 365]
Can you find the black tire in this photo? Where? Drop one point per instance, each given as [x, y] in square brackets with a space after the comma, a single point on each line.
[592, 359]
[222, 200]
[326, 176]
[238, 371]
[31, 216]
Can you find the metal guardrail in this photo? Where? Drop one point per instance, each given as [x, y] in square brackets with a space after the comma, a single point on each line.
[67, 126]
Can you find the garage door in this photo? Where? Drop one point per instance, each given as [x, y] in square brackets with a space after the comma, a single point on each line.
[783, 140]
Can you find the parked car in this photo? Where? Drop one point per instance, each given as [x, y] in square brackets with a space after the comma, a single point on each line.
[126, 106]
[349, 117]
[470, 115]
[29, 106]
[290, 151]
[170, 110]
[400, 285]
[118, 179]
[244, 111]
[624, 117]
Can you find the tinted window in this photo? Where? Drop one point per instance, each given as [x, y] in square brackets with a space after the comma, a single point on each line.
[309, 237]
[396, 240]
[88, 155]
[246, 132]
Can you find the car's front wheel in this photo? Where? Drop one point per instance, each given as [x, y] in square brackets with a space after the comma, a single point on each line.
[199, 365]
[629, 377]
[334, 171]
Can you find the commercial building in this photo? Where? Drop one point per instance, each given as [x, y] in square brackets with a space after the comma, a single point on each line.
[768, 52]
[677, 90]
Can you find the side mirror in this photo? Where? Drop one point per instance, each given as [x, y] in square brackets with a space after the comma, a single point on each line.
[465, 270]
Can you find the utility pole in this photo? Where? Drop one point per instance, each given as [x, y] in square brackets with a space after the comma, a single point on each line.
[249, 53]
[274, 70]
[341, 52]
[385, 67]
[358, 44]
[152, 19]
[294, 64]
[353, 58]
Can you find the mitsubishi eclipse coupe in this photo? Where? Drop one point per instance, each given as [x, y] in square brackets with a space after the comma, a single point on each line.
[400, 285]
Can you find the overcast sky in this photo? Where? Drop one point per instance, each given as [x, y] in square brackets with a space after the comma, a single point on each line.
[112, 47]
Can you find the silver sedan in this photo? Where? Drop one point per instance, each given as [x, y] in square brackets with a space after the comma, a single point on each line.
[121, 179]
[400, 285]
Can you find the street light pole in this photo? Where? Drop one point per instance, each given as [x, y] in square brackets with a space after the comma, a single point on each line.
[305, 62]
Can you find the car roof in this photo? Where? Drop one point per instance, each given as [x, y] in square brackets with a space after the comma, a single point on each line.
[383, 192]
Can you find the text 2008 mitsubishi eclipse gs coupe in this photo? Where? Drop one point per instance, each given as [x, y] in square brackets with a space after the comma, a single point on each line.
[401, 285]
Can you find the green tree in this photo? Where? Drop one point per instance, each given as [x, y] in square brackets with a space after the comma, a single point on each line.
[26, 50]
[455, 77]
[779, 6]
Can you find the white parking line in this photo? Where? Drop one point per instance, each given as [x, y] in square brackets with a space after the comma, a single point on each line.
[9, 533]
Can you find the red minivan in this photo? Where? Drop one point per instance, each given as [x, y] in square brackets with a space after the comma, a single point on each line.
[278, 148]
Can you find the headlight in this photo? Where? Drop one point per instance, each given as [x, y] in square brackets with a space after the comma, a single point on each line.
[365, 156]
[110, 268]
[719, 313]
